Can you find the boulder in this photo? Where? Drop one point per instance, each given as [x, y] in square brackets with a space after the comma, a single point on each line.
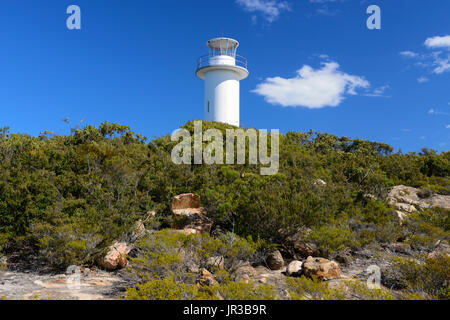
[299, 246]
[189, 215]
[294, 268]
[184, 203]
[320, 183]
[275, 260]
[403, 248]
[245, 272]
[217, 262]
[441, 248]
[322, 269]
[206, 279]
[116, 257]
[343, 257]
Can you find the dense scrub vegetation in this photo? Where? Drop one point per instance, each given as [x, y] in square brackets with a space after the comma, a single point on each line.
[67, 198]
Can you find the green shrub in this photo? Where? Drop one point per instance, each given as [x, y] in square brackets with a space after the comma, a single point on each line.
[244, 291]
[304, 288]
[361, 291]
[431, 278]
[161, 289]
[172, 254]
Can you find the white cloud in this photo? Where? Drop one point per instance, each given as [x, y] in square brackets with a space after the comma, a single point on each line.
[441, 64]
[423, 80]
[447, 126]
[409, 54]
[270, 9]
[437, 62]
[438, 42]
[314, 89]
[438, 113]
[379, 92]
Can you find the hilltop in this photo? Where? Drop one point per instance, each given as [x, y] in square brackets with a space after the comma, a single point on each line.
[64, 200]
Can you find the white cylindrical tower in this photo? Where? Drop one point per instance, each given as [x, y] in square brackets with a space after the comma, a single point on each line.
[222, 69]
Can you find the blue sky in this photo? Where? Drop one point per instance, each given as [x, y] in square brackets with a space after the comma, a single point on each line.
[313, 65]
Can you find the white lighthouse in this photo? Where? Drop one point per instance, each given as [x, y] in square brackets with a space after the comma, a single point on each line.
[222, 69]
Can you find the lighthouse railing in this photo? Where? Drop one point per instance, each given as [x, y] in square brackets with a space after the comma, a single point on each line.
[207, 61]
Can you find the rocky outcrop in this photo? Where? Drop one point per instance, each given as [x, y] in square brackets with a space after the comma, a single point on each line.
[275, 260]
[186, 204]
[321, 268]
[93, 285]
[206, 279]
[409, 199]
[245, 273]
[189, 216]
[294, 268]
[116, 257]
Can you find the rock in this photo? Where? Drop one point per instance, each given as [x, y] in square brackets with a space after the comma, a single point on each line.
[402, 216]
[207, 279]
[245, 278]
[245, 272]
[189, 215]
[343, 257]
[116, 258]
[184, 203]
[408, 199]
[195, 229]
[299, 246]
[321, 268]
[275, 260]
[262, 281]
[403, 248]
[320, 182]
[217, 262]
[294, 268]
[138, 232]
[441, 248]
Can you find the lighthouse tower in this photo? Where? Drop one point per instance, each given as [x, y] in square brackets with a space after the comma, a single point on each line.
[222, 69]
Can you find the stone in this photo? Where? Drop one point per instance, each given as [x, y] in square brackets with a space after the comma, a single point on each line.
[299, 246]
[245, 272]
[189, 215]
[294, 268]
[185, 201]
[206, 279]
[138, 232]
[322, 269]
[116, 257]
[403, 248]
[441, 248]
[409, 199]
[217, 262]
[320, 182]
[275, 260]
